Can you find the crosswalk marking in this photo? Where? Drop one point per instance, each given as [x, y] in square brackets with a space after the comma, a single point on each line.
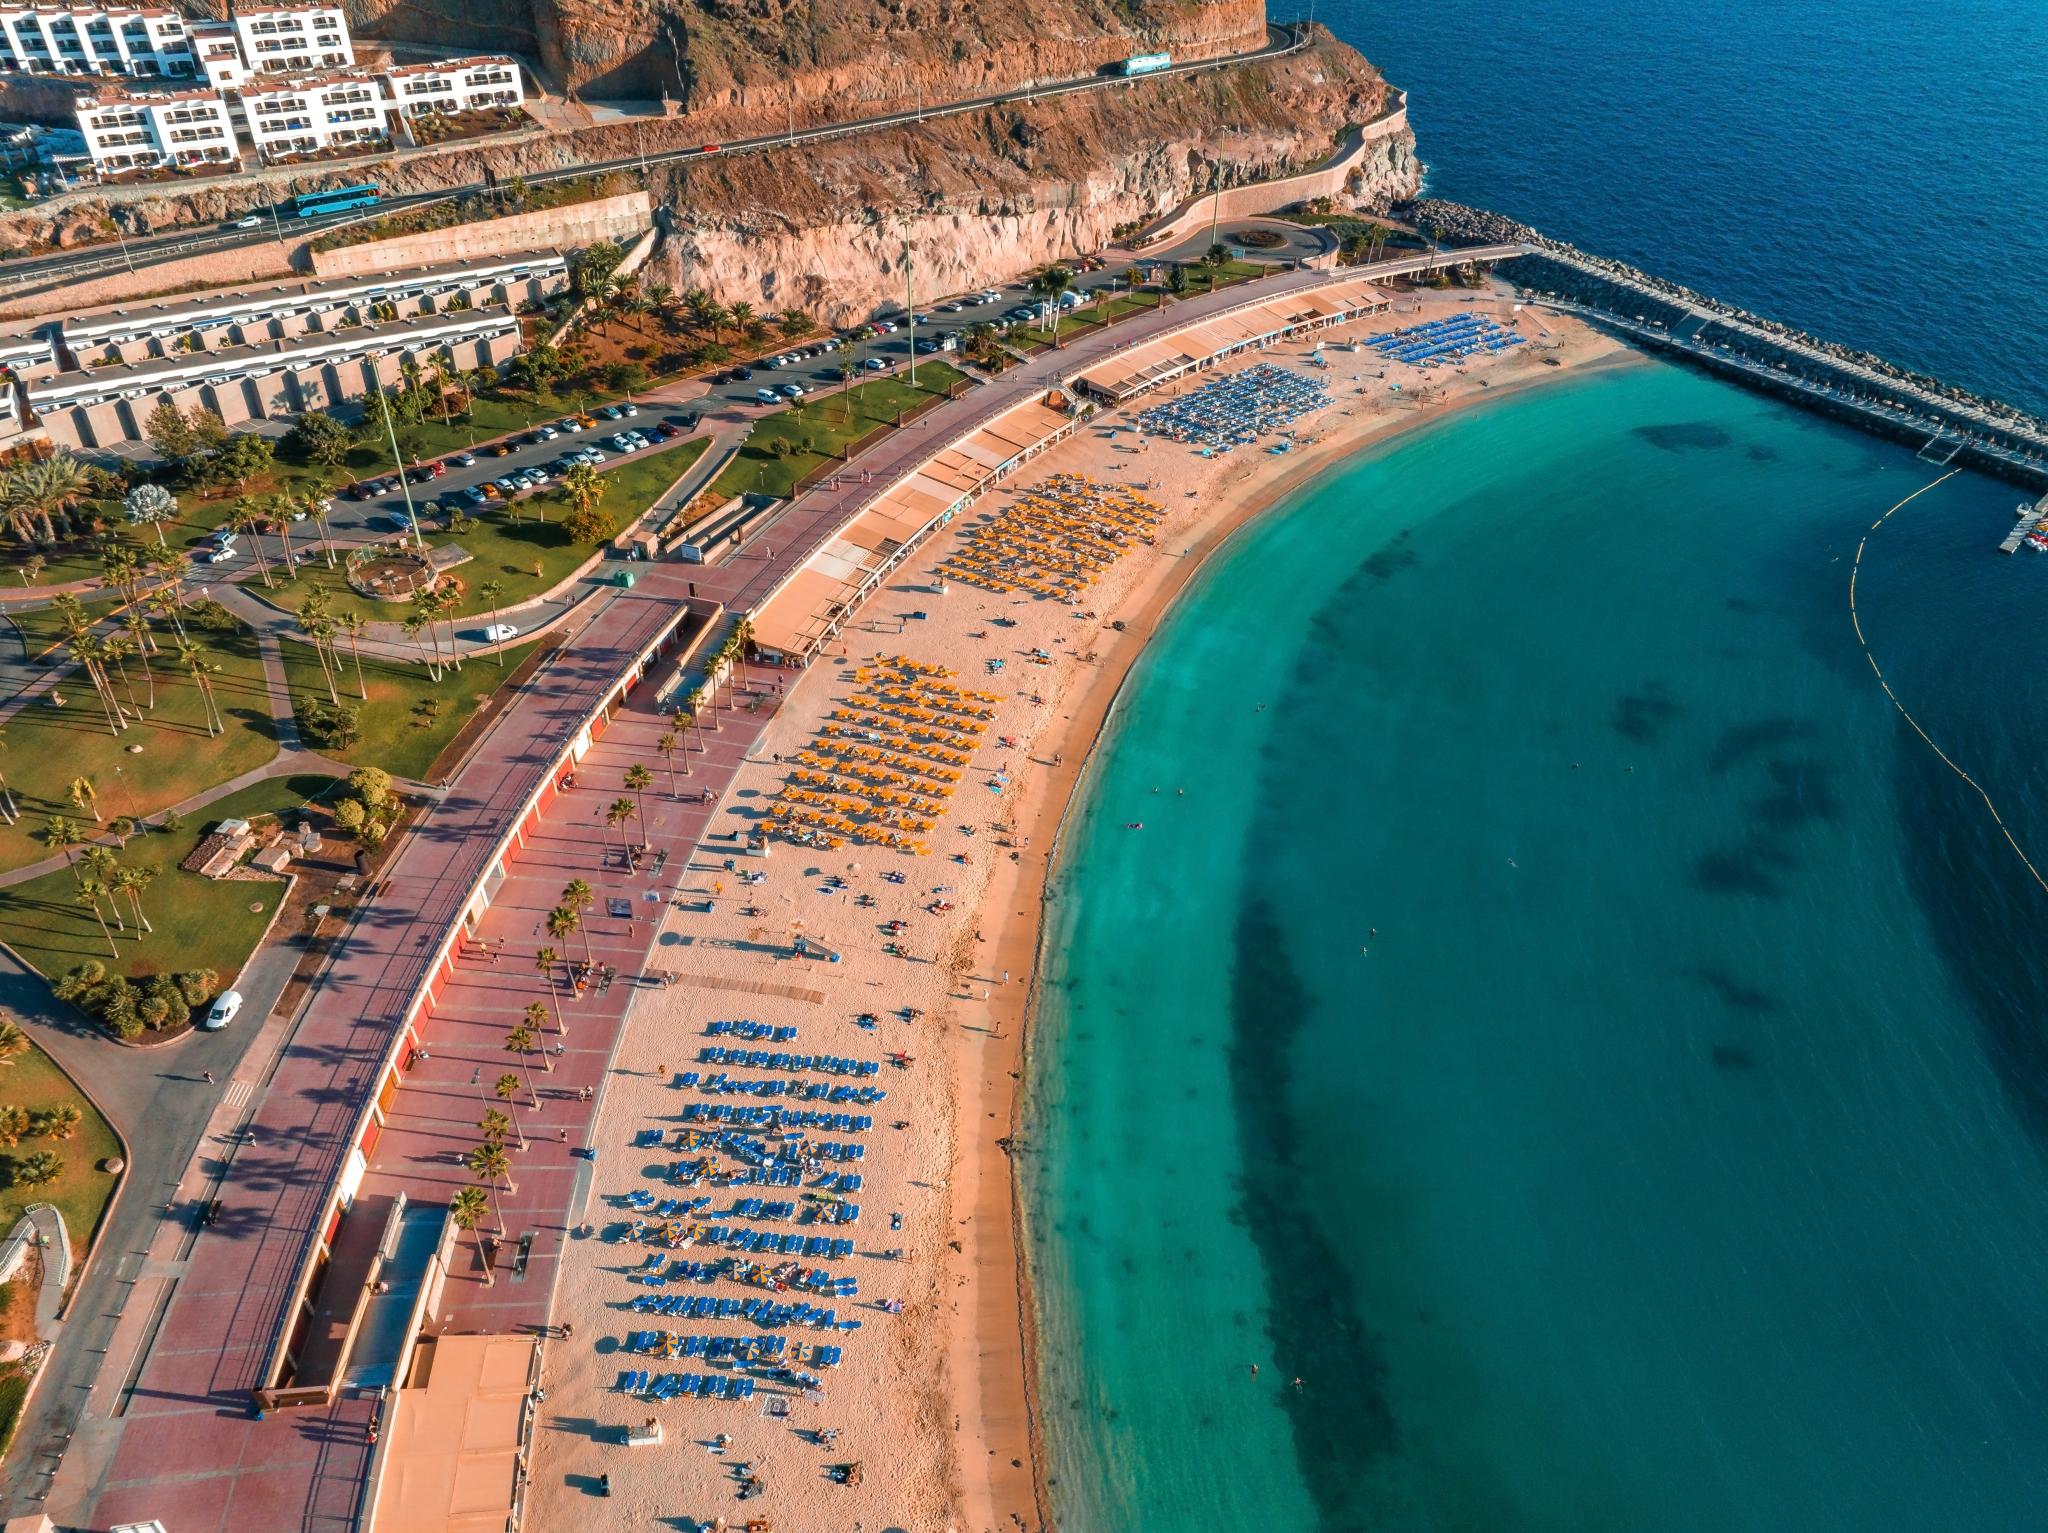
[237, 1093]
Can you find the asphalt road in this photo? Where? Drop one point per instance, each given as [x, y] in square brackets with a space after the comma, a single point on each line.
[144, 252]
[159, 1100]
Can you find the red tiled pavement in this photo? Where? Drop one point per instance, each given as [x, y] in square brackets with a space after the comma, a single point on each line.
[230, 1473]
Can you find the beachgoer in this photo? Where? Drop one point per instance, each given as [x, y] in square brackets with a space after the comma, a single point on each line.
[209, 1077]
[1255, 1370]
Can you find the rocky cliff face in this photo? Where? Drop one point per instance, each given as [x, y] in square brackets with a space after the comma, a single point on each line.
[743, 60]
[960, 201]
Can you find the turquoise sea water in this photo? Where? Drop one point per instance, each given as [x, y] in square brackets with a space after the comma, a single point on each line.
[1674, 1158]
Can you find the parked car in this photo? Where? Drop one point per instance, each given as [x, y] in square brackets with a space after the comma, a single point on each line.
[951, 306]
[473, 495]
[547, 434]
[668, 429]
[876, 365]
[792, 391]
[505, 485]
[226, 1007]
[742, 374]
[569, 423]
[490, 492]
[1018, 315]
[768, 396]
[465, 460]
[610, 412]
[538, 474]
[523, 479]
[499, 449]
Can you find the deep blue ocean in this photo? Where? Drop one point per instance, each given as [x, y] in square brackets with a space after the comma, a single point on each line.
[1562, 1055]
[1875, 171]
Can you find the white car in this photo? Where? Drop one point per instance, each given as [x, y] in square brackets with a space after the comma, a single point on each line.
[224, 1011]
[498, 633]
[547, 433]
[768, 396]
[253, 221]
[628, 408]
[570, 424]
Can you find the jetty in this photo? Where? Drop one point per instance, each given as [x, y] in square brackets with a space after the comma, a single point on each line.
[1943, 430]
[2029, 522]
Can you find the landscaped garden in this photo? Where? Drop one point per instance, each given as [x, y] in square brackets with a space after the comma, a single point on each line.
[407, 720]
[76, 918]
[520, 547]
[45, 749]
[783, 448]
[42, 1112]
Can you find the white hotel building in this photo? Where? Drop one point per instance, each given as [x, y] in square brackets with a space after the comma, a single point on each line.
[144, 40]
[132, 130]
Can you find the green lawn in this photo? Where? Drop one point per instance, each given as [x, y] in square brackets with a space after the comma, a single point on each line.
[1082, 320]
[400, 730]
[503, 549]
[201, 923]
[79, 558]
[46, 747]
[822, 426]
[31, 1080]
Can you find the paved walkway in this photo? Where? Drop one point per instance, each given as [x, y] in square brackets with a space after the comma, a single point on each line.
[200, 1461]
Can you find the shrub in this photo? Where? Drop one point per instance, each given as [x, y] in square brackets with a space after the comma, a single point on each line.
[591, 526]
[35, 1170]
[328, 725]
[211, 616]
[161, 1003]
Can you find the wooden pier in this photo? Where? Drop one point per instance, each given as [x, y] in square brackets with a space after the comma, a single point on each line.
[2028, 521]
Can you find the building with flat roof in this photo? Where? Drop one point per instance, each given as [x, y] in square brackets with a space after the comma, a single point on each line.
[100, 406]
[507, 280]
[127, 130]
[283, 114]
[140, 40]
[304, 114]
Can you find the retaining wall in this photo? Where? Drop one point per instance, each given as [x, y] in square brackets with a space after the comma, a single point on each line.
[623, 218]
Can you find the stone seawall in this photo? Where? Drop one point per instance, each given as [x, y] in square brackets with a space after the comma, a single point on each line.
[1614, 287]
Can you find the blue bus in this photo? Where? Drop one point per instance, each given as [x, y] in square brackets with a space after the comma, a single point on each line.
[1145, 64]
[340, 200]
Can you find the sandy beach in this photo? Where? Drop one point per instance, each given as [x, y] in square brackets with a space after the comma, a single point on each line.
[932, 1398]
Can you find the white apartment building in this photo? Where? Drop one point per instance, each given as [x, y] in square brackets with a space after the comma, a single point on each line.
[457, 85]
[126, 131]
[94, 39]
[314, 112]
[294, 41]
[156, 41]
[285, 115]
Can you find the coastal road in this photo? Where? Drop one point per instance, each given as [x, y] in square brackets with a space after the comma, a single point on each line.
[77, 264]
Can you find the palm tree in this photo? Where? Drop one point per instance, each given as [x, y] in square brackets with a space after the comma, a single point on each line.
[564, 923]
[7, 810]
[520, 1042]
[245, 518]
[202, 672]
[353, 624]
[489, 592]
[742, 315]
[84, 797]
[62, 1121]
[545, 960]
[467, 1208]
[40, 490]
[13, 1041]
[495, 1124]
[639, 779]
[617, 813]
[134, 615]
[579, 897]
[584, 487]
[315, 624]
[131, 882]
[99, 866]
[667, 746]
[489, 1161]
[507, 1091]
[684, 719]
[1050, 284]
[63, 835]
[537, 1024]
[89, 892]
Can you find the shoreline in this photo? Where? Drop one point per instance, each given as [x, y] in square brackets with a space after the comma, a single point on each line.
[1020, 934]
[946, 1316]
